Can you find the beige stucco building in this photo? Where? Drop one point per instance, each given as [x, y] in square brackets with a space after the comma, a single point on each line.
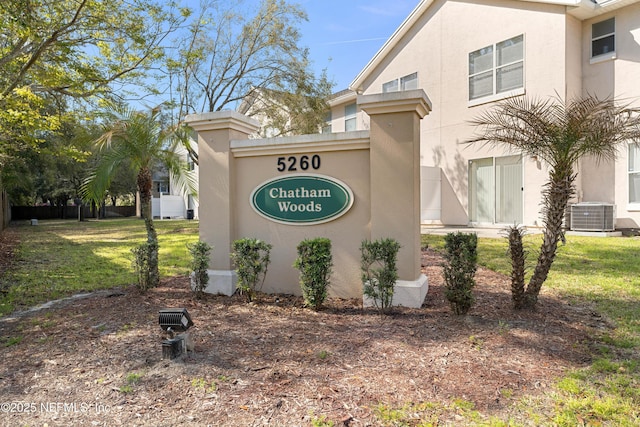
[466, 55]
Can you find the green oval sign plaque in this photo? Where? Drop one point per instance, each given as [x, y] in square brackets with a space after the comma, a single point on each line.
[302, 199]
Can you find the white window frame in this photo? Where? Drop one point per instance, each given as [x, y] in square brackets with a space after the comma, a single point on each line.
[631, 170]
[495, 96]
[398, 85]
[409, 79]
[390, 86]
[350, 117]
[607, 55]
[162, 187]
[496, 198]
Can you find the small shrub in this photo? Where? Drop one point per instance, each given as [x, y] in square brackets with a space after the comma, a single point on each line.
[131, 379]
[202, 384]
[461, 257]
[314, 262]
[143, 260]
[321, 421]
[200, 252]
[379, 271]
[323, 354]
[251, 259]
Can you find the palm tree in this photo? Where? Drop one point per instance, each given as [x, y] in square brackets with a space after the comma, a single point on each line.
[558, 134]
[139, 139]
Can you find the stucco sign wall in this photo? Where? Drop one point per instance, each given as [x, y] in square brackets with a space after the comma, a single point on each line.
[347, 187]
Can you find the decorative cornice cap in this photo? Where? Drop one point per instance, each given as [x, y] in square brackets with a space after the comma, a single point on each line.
[219, 120]
[396, 102]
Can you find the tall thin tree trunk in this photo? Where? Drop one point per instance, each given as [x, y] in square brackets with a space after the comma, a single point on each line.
[555, 202]
[518, 258]
[144, 186]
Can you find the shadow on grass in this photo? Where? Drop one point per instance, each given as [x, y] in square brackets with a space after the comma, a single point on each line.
[59, 258]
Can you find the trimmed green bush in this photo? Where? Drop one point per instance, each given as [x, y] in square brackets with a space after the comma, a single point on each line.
[142, 263]
[379, 271]
[314, 262]
[461, 255]
[251, 259]
[200, 252]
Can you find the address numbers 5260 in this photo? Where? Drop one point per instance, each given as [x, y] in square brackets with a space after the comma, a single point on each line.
[294, 163]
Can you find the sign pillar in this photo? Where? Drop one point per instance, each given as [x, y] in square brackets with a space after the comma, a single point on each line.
[217, 181]
[395, 178]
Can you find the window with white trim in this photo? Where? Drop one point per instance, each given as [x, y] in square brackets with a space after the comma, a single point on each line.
[634, 174]
[326, 128]
[391, 86]
[603, 37]
[162, 187]
[350, 117]
[408, 82]
[497, 69]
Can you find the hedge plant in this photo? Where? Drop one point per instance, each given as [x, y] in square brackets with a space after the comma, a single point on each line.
[200, 252]
[143, 264]
[379, 271]
[315, 264]
[461, 256]
[251, 260]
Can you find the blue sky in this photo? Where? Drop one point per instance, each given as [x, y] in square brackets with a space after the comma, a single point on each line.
[343, 35]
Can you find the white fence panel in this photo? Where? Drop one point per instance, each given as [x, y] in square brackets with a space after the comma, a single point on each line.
[172, 206]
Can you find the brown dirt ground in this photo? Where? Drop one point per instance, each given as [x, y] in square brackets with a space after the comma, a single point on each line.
[277, 363]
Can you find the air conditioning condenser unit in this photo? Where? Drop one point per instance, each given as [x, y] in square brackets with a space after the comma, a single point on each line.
[593, 216]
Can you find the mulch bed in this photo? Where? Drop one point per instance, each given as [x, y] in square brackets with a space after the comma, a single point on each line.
[277, 363]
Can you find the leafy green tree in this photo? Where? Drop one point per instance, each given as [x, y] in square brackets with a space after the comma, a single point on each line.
[54, 170]
[559, 134]
[123, 184]
[80, 49]
[140, 139]
[229, 53]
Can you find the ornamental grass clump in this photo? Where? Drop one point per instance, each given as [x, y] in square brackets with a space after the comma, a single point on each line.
[461, 256]
[251, 259]
[200, 252]
[315, 264]
[379, 271]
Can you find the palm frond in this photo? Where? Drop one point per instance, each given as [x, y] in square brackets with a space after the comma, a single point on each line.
[559, 133]
[179, 172]
[139, 138]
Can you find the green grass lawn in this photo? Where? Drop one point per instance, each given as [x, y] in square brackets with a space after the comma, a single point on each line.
[602, 273]
[59, 258]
